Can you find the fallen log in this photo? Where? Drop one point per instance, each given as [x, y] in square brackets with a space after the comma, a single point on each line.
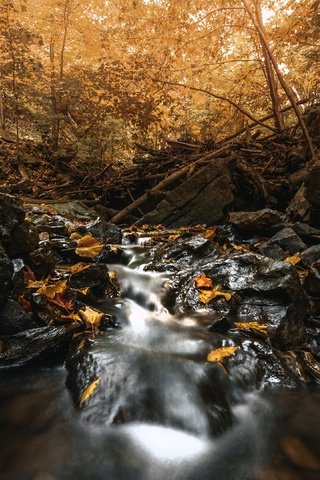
[164, 183]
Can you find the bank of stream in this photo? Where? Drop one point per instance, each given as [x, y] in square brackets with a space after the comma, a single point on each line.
[179, 354]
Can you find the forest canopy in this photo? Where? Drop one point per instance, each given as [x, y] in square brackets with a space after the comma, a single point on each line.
[104, 74]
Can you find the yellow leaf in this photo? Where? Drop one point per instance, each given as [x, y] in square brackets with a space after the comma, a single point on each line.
[51, 291]
[72, 316]
[115, 248]
[75, 236]
[294, 259]
[89, 390]
[203, 282]
[260, 327]
[205, 296]
[210, 233]
[88, 246]
[90, 316]
[221, 353]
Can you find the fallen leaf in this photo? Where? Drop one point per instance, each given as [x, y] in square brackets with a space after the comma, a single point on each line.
[51, 291]
[73, 316]
[25, 304]
[88, 246]
[221, 353]
[66, 304]
[209, 233]
[91, 317]
[260, 327]
[205, 296]
[89, 390]
[203, 282]
[294, 259]
[75, 236]
[115, 248]
[81, 345]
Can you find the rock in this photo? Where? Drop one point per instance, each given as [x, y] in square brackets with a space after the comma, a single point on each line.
[209, 194]
[95, 275]
[312, 281]
[34, 344]
[107, 233]
[310, 255]
[263, 291]
[260, 221]
[312, 182]
[14, 318]
[24, 239]
[75, 210]
[41, 262]
[299, 207]
[288, 240]
[272, 251]
[6, 272]
[306, 232]
[11, 215]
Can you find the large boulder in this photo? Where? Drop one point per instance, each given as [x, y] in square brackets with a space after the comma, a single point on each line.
[263, 290]
[260, 221]
[205, 198]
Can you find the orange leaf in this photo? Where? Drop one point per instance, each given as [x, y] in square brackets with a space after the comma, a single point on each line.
[259, 327]
[294, 259]
[50, 291]
[203, 282]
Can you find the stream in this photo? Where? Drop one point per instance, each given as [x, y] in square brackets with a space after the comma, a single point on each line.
[160, 410]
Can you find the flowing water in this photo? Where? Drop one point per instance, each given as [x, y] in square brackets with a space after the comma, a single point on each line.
[162, 412]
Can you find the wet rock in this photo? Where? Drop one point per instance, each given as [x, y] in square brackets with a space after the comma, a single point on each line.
[310, 255]
[95, 275]
[6, 272]
[24, 239]
[209, 194]
[34, 344]
[107, 233]
[263, 290]
[41, 262]
[312, 281]
[260, 221]
[272, 251]
[14, 318]
[75, 210]
[288, 240]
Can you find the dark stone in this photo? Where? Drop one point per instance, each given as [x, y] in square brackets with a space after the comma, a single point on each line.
[11, 215]
[209, 194]
[288, 240]
[14, 318]
[310, 255]
[305, 231]
[35, 344]
[24, 239]
[107, 233]
[263, 291]
[6, 272]
[272, 251]
[260, 221]
[312, 182]
[95, 275]
[312, 281]
[299, 207]
[41, 262]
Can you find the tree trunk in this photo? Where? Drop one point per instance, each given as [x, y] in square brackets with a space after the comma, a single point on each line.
[281, 79]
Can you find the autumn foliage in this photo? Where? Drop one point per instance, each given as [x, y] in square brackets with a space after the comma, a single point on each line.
[100, 75]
